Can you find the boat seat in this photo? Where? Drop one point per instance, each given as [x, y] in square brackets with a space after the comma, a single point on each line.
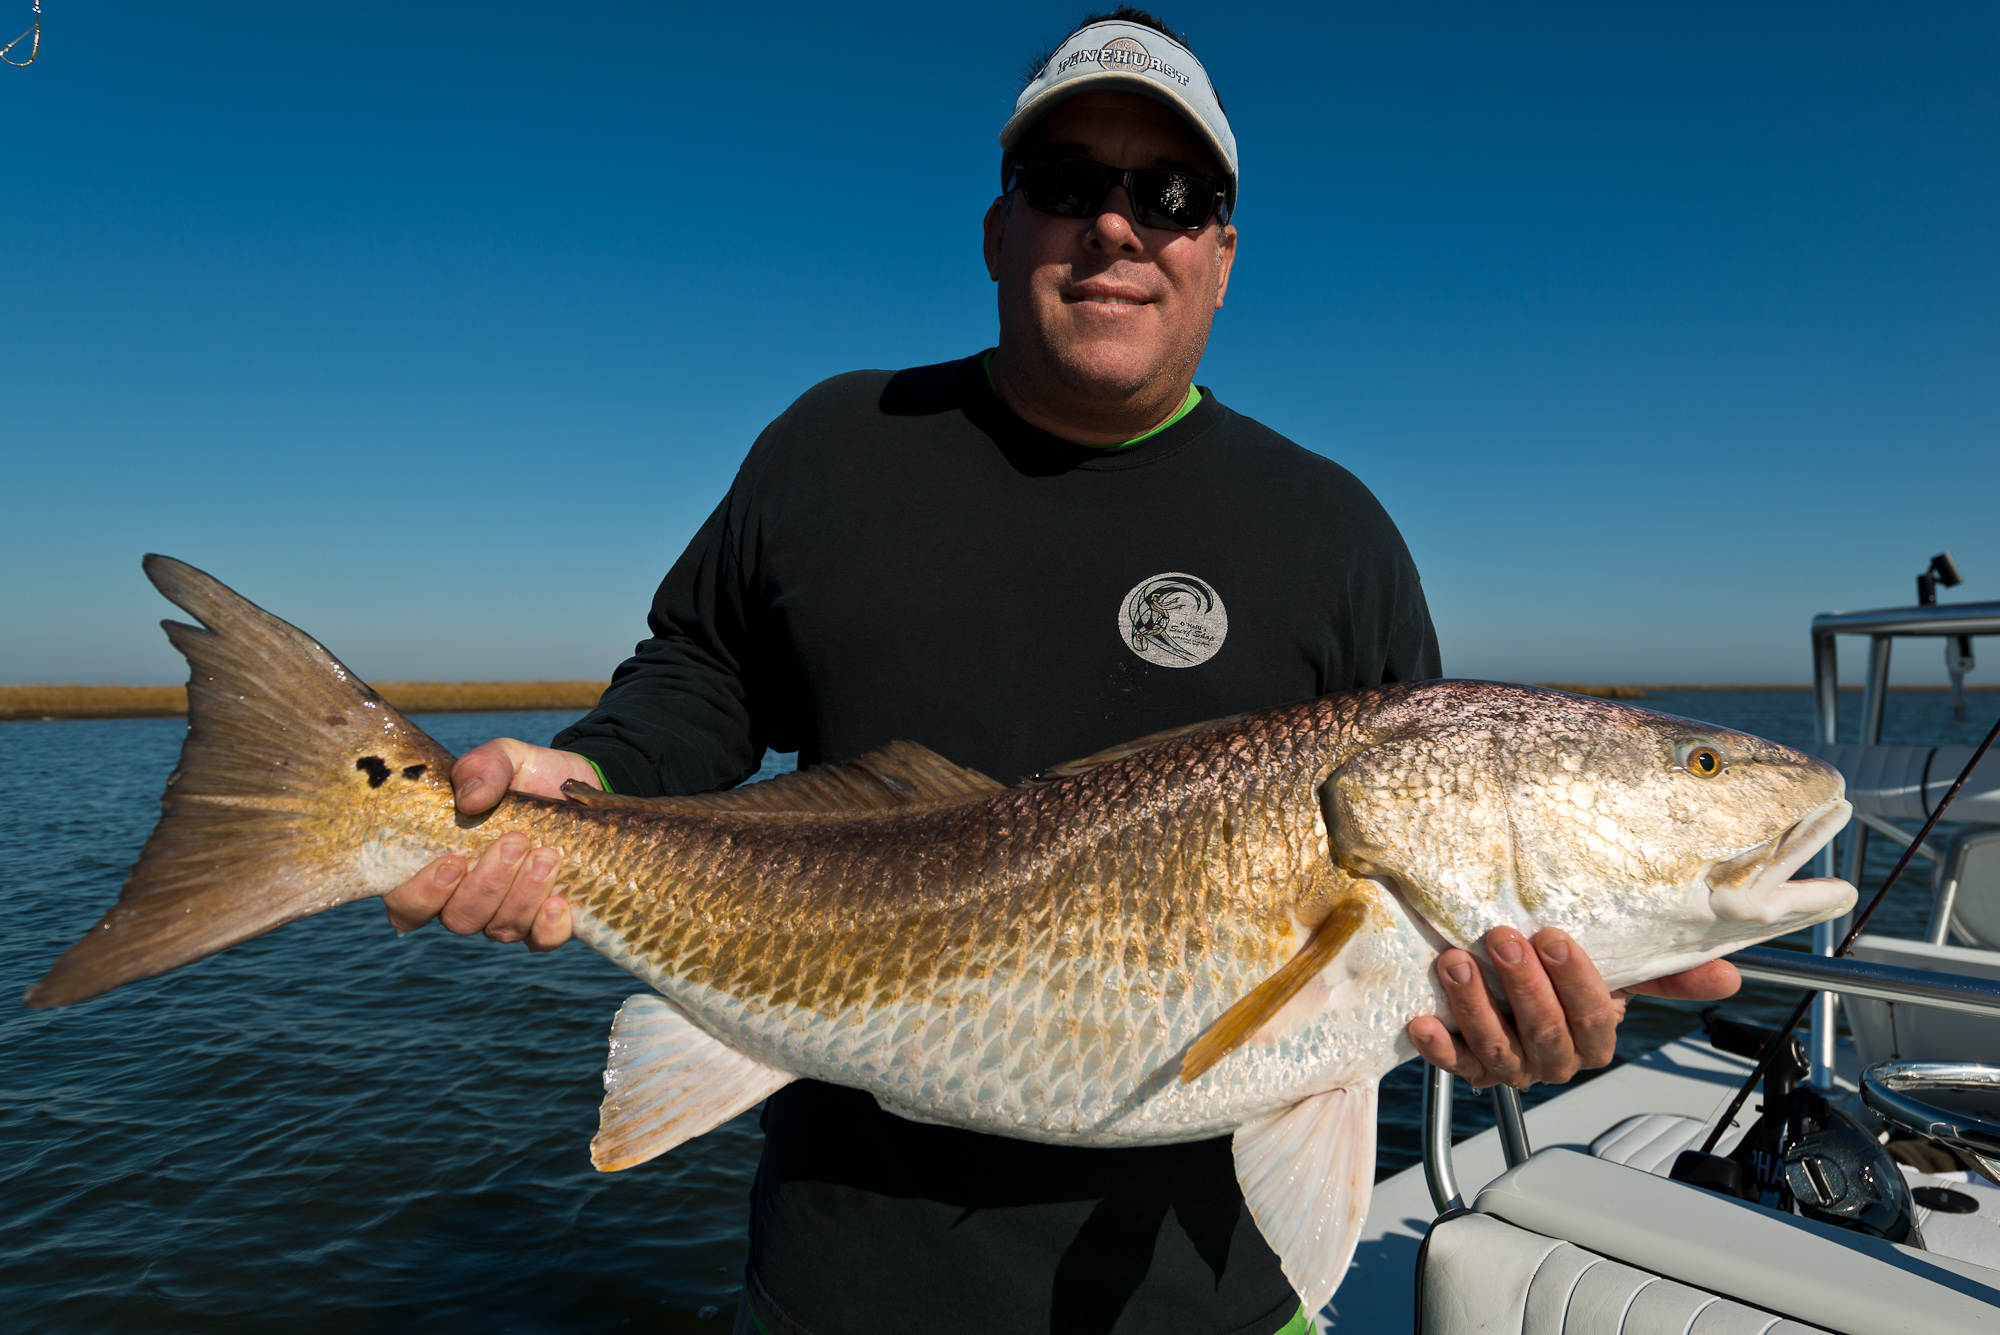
[1569, 1244]
[1907, 782]
[1891, 1031]
[1485, 1275]
[1972, 863]
[1650, 1142]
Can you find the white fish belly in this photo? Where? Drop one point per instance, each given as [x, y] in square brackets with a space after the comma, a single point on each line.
[1088, 1058]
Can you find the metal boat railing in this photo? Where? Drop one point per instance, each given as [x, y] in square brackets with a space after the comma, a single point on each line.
[1508, 1119]
[1882, 626]
[1859, 978]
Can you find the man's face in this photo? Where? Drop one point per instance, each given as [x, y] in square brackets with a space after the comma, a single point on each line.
[1104, 305]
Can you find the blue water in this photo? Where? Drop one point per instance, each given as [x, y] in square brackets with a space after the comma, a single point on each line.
[334, 1128]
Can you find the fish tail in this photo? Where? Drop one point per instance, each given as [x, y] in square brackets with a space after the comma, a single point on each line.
[290, 772]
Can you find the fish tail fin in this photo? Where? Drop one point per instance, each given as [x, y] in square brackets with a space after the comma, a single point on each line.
[286, 751]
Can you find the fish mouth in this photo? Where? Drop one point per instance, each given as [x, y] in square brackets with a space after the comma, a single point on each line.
[1756, 885]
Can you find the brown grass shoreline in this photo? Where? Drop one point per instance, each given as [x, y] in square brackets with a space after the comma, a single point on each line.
[412, 697]
[475, 697]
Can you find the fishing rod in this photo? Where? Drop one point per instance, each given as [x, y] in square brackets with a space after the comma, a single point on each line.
[34, 47]
[1779, 1039]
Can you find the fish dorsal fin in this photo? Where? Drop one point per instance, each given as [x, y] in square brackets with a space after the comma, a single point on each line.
[901, 774]
[586, 796]
[1307, 1174]
[668, 1081]
[1071, 768]
[1235, 1026]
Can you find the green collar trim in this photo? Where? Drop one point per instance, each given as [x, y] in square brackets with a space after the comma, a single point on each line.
[598, 770]
[1187, 406]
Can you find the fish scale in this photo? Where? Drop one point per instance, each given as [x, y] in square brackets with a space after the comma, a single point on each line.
[769, 962]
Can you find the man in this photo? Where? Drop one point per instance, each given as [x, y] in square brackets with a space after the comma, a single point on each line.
[1015, 560]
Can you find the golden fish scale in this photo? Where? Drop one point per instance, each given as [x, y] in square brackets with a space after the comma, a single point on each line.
[1185, 862]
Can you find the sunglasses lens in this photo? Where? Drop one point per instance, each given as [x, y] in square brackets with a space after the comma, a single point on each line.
[1178, 200]
[1069, 189]
[1075, 188]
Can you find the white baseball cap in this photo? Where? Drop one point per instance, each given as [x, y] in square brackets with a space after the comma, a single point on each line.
[1116, 56]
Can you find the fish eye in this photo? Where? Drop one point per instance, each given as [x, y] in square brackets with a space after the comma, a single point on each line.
[1704, 762]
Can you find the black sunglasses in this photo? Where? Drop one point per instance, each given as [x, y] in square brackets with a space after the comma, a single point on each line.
[1181, 201]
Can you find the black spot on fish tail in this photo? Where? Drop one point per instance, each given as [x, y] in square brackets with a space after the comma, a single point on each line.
[413, 771]
[378, 773]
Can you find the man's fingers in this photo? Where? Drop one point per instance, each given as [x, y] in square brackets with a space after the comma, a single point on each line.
[552, 925]
[482, 776]
[1589, 1013]
[1483, 1034]
[473, 905]
[532, 883]
[1541, 1029]
[506, 893]
[1705, 982]
[417, 900]
[1435, 1045]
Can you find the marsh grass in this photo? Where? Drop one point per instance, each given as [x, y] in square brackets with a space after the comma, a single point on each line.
[411, 697]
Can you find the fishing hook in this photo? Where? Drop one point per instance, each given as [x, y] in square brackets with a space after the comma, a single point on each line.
[34, 47]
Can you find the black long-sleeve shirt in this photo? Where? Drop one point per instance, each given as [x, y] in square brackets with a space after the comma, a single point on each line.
[902, 557]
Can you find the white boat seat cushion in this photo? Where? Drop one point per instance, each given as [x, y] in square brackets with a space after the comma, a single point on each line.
[1649, 1142]
[1484, 1275]
[1907, 782]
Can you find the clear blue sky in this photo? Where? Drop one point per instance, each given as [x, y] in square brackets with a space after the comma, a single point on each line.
[437, 329]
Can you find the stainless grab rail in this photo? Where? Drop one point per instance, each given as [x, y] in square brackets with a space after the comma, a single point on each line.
[1931, 619]
[1842, 974]
[1512, 1125]
[1438, 1174]
[1861, 978]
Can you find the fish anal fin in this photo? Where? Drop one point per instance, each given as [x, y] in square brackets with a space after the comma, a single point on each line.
[668, 1081]
[889, 778]
[1307, 1174]
[1234, 1027]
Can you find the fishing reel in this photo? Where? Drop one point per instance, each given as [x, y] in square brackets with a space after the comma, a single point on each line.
[1803, 1155]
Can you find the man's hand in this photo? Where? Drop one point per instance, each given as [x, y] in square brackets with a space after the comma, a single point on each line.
[1565, 1019]
[505, 894]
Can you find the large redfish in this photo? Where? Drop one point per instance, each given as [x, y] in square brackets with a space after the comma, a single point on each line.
[1221, 929]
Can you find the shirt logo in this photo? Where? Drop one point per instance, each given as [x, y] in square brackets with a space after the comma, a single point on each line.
[1173, 620]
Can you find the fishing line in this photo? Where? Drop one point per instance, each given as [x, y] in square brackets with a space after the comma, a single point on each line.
[1778, 1040]
[34, 47]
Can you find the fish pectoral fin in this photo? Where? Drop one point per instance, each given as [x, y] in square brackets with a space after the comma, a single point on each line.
[669, 1081]
[1235, 1026]
[889, 778]
[1307, 1174]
